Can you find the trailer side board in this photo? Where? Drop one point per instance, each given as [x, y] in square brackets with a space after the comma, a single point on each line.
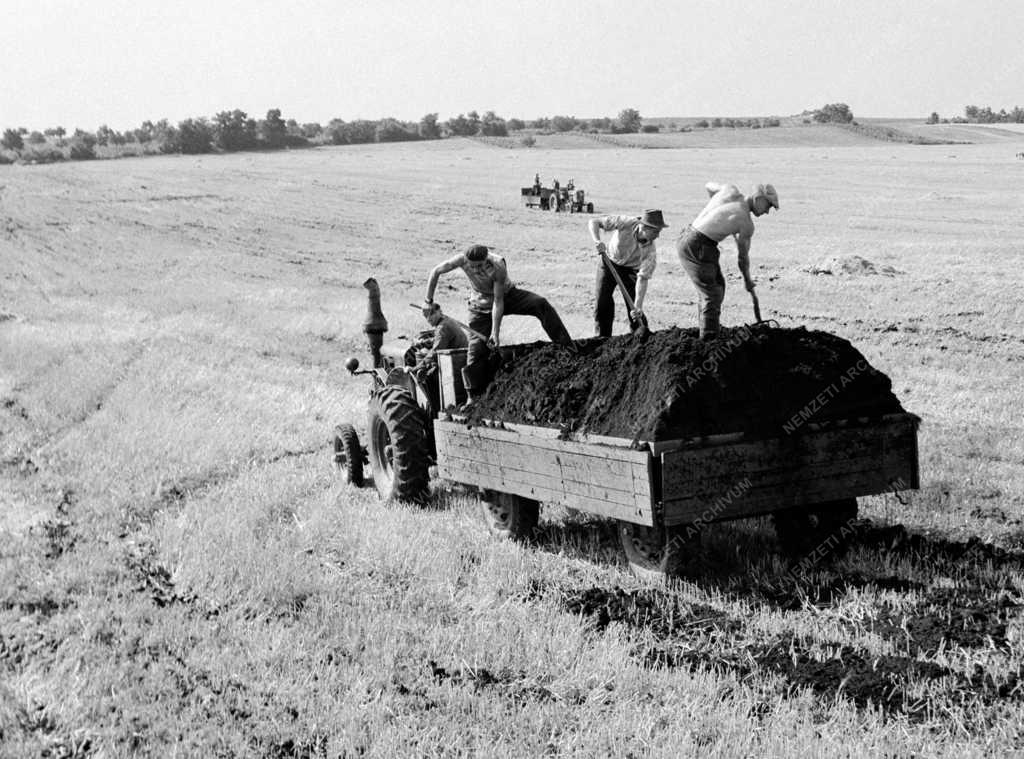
[747, 478]
[614, 481]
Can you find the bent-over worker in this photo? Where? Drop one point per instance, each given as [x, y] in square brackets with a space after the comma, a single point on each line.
[631, 250]
[727, 214]
[494, 296]
[446, 334]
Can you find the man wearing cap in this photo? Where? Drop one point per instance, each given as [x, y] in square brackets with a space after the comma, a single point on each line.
[446, 334]
[630, 249]
[727, 214]
[494, 296]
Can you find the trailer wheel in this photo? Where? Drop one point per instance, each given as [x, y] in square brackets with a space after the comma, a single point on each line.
[590, 208]
[655, 553]
[509, 516]
[823, 527]
[398, 445]
[348, 454]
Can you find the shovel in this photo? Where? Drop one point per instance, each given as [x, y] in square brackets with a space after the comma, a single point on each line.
[757, 307]
[641, 330]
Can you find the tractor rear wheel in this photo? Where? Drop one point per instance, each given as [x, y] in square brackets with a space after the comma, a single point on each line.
[590, 208]
[823, 527]
[655, 553]
[348, 454]
[398, 445]
[509, 516]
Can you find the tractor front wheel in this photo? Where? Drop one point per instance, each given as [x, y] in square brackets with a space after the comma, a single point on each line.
[509, 516]
[398, 445]
[348, 454]
[656, 553]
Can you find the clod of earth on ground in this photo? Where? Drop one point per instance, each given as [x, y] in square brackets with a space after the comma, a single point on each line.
[764, 381]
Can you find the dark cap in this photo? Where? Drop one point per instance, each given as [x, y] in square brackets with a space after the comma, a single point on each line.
[653, 218]
[476, 252]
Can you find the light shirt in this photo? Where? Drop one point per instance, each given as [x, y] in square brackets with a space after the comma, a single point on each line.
[447, 334]
[623, 247]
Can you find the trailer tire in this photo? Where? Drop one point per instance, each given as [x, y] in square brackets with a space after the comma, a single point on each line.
[590, 208]
[348, 454]
[398, 445]
[656, 553]
[824, 528]
[509, 516]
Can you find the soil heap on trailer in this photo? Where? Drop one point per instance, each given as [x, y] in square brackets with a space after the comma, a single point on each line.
[756, 380]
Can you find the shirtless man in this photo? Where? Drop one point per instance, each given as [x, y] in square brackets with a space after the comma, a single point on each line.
[726, 214]
[493, 297]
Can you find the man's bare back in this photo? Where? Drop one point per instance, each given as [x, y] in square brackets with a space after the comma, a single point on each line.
[725, 215]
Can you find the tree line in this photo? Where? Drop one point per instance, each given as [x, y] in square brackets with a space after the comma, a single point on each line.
[235, 130]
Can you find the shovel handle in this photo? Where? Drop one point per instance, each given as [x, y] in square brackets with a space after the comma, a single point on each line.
[757, 307]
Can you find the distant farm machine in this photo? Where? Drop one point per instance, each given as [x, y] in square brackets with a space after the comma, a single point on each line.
[556, 198]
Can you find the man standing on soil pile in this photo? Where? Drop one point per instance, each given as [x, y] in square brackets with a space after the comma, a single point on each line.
[494, 295]
[631, 251]
[726, 214]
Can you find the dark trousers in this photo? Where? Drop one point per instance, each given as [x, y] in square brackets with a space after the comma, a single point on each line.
[699, 256]
[604, 292]
[518, 302]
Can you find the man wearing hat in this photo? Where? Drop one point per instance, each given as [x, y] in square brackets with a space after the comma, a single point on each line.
[727, 214]
[494, 296]
[630, 249]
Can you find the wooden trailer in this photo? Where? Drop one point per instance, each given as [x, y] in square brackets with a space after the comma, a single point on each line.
[663, 492]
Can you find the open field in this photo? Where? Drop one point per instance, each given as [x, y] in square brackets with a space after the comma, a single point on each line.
[181, 572]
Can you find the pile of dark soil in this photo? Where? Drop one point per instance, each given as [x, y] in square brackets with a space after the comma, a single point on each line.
[763, 381]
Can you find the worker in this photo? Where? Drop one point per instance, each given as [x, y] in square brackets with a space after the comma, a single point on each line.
[727, 214]
[446, 334]
[494, 296]
[631, 251]
[536, 184]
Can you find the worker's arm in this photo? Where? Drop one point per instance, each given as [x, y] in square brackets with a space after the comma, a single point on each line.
[641, 293]
[743, 257]
[595, 227]
[442, 268]
[713, 187]
[497, 312]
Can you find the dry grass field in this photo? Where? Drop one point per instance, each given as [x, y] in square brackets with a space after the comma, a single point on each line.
[182, 573]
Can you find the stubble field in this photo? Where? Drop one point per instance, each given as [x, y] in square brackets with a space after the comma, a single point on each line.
[182, 573]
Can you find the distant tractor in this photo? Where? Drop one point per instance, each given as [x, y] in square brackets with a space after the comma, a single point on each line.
[556, 198]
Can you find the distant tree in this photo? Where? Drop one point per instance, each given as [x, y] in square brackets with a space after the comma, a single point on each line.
[145, 133]
[428, 128]
[195, 136]
[234, 130]
[933, 119]
[542, 123]
[473, 119]
[834, 113]
[461, 126]
[514, 125]
[702, 124]
[12, 140]
[392, 130]
[493, 125]
[272, 130]
[650, 128]
[57, 132]
[716, 122]
[36, 138]
[564, 123]
[629, 120]
[602, 124]
[311, 130]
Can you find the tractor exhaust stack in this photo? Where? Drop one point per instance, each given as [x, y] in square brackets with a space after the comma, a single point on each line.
[375, 325]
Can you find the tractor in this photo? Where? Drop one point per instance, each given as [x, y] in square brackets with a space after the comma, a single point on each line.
[403, 400]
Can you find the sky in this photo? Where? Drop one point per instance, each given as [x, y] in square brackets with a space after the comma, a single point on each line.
[120, 62]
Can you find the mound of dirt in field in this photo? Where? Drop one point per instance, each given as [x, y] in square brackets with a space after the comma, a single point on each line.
[851, 266]
[674, 385]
